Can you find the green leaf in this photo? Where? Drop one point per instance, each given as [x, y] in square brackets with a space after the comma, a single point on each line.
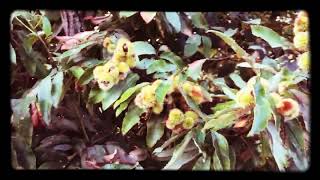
[86, 77]
[220, 122]
[231, 42]
[75, 50]
[128, 93]
[122, 107]
[96, 95]
[262, 110]
[179, 149]
[13, 57]
[46, 26]
[45, 98]
[173, 58]
[174, 20]
[160, 66]
[127, 13]
[199, 20]
[132, 118]
[192, 104]
[238, 80]
[155, 130]
[223, 106]
[194, 69]
[76, 71]
[144, 63]
[202, 164]
[279, 152]
[143, 47]
[269, 35]
[20, 107]
[115, 92]
[296, 134]
[221, 159]
[57, 88]
[162, 90]
[207, 44]
[192, 44]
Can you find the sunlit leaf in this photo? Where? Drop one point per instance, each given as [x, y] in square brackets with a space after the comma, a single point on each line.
[269, 35]
[76, 71]
[192, 44]
[160, 66]
[13, 55]
[202, 164]
[115, 92]
[162, 90]
[238, 80]
[128, 93]
[174, 20]
[131, 118]
[194, 69]
[262, 110]
[45, 98]
[46, 26]
[222, 121]
[57, 88]
[143, 47]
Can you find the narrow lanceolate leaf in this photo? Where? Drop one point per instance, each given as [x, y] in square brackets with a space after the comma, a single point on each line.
[128, 93]
[57, 88]
[46, 26]
[231, 42]
[155, 130]
[45, 99]
[269, 35]
[194, 69]
[122, 107]
[162, 90]
[279, 152]
[179, 149]
[220, 122]
[132, 118]
[174, 20]
[143, 47]
[238, 80]
[296, 134]
[75, 50]
[262, 110]
[115, 92]
[221, 159]
[173, 58]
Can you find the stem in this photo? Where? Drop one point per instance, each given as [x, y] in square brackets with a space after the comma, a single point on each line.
[81, 122]
[39, 37]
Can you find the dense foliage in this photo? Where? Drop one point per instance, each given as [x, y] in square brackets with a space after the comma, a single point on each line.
[160, 90]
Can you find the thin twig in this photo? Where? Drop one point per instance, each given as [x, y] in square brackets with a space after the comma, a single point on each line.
[39, 37]
[81, 123]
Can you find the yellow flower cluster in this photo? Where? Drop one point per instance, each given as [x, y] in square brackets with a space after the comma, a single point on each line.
[194, 91]
[304, 61]
[244, 97]
[287, 107]
[147, 98]
[301, 40]
[118, 67]
[177, 117]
